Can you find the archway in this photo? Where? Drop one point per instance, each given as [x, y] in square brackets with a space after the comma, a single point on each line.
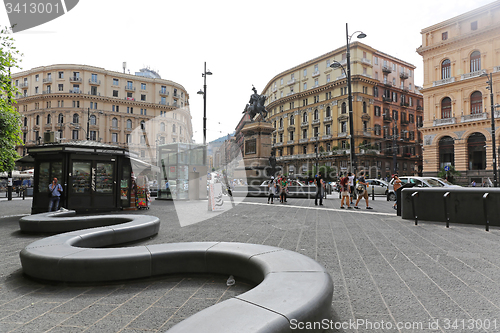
[476, 148]
[446, 151]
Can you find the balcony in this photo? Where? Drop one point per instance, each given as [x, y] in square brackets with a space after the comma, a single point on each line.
[164, 93]
[95, 82]
[443, 81]
[75, 79]
[474, 117]
[472, 74]
[129, 88]
[403, 75]
[445, 121]
[47, 80]
[386, 69]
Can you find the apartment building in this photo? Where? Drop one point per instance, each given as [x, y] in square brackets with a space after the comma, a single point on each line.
[80, 102]
[459, 56]
[308, 107]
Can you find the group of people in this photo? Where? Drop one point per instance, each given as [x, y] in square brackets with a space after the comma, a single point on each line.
[277, 187]
[348, 190]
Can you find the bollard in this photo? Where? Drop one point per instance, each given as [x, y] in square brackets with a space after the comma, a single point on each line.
[413, 196]
[373, 193]
[485, 208]
[446, 198]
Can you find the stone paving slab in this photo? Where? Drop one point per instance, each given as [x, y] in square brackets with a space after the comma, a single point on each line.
[386, 272]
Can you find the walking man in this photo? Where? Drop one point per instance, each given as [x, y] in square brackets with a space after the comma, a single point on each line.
[320, 185]
[362, 189]
[55, 190]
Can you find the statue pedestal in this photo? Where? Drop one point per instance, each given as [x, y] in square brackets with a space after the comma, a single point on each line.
[256, 151]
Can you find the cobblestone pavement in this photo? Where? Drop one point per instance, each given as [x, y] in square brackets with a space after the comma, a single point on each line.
[389, 275]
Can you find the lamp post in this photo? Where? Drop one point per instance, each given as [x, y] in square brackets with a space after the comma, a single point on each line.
[336, 64]
[493, 137]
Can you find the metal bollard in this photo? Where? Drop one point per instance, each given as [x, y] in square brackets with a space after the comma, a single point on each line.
[446, 198]
[485, 208]
[413, 196]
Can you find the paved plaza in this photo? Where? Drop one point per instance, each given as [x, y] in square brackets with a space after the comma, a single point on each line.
[389, 275]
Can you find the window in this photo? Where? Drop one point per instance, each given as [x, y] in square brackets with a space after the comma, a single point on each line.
[75, 118]
[114, 122]
[475, 61]
[476, 102]
[445, 69]
[444, 35]
[446, 108]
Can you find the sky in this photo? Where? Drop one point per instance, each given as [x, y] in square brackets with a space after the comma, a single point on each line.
[243, 43]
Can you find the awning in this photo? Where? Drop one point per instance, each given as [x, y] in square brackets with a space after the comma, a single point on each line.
[139, 166]
[27, 160]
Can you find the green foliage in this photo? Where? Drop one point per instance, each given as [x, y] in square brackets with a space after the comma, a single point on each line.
[10, 126]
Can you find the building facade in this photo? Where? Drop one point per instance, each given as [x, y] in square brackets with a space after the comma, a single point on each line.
[79, 102]
[308, 106]
[457, 119]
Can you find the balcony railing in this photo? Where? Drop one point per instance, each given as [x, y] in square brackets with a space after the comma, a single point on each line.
[445, 121]
[472, 74]
[443, 81]
[474, 117]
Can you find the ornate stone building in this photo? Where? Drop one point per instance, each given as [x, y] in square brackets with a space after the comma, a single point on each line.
[308, 106]
[78, 102]
[457, 53]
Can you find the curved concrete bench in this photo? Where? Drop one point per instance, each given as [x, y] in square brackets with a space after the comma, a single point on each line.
[290, 287]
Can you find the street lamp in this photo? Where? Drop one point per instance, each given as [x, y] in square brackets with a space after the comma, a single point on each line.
[204, 93]
[493, 140]
[336, 64]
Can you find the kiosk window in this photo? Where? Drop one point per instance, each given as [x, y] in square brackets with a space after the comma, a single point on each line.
[81, 177]
[47, 172]
[104, 178]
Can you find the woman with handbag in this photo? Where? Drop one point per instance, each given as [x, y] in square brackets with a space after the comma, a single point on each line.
[55, 191]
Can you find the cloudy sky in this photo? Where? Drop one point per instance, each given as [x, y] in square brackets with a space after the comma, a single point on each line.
[244, 43]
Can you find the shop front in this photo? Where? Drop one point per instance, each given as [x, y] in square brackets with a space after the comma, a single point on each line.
[94, 176]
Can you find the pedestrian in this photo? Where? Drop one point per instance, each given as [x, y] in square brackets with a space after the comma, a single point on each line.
[396, 185]
[55, 191]
[283, 189]
[320, 185]
[362, 189]
[344, 190]
[272, 190]
[351, 187]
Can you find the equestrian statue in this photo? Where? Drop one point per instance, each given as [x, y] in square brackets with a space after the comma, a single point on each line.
[256, 105]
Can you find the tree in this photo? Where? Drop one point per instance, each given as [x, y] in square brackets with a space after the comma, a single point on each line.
[10, 125]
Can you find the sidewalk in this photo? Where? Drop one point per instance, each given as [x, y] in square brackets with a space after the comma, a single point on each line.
[388, 273]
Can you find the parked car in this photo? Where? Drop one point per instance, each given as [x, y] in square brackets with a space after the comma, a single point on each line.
[380, 187]
[419, 182]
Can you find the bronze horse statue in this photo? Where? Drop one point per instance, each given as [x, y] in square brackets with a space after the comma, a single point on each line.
[256, 105]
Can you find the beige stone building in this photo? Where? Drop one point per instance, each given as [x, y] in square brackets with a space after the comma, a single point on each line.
[78, 102]
[457, 118]
[308, 107]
